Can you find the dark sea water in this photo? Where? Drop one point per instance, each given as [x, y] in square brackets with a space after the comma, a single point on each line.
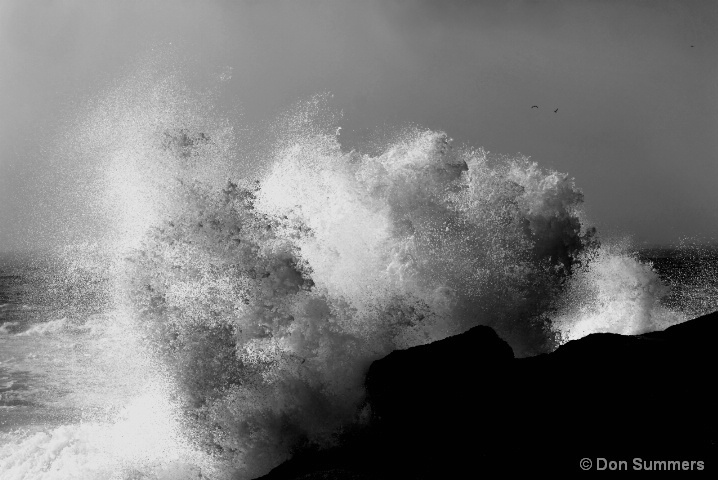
[692, 274]
[28, 393]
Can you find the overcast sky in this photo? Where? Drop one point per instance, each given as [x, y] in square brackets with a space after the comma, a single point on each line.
[635, 84]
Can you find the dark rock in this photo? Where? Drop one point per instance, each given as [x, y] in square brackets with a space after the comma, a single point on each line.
[442, 373]
[464, 407]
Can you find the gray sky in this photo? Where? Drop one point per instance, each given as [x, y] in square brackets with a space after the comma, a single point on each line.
[637, 120]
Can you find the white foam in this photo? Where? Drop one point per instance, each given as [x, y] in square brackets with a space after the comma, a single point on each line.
[616, 293]
[144, 440]
[45, 328]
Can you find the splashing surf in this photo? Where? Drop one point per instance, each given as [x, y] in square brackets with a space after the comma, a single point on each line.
[263, 284]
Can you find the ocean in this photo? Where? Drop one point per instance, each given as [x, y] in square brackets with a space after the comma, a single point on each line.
[229, 311]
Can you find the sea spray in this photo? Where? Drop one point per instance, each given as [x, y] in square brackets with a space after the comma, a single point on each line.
[266, 282]
[690, 270]
[613, 292]
[101, 406]
[270, 298]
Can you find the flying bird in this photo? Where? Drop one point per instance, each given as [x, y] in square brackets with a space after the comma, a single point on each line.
[535, 106]
[555, 110]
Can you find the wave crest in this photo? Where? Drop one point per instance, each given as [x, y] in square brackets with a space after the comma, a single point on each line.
[271, 298]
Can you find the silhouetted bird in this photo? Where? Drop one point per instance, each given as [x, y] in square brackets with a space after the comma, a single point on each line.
[535, 106]
[555, 110]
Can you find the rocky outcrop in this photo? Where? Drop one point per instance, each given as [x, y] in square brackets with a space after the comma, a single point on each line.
[464, 406]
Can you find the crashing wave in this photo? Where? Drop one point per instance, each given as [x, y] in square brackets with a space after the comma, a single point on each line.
[271, 298]
[268, 297]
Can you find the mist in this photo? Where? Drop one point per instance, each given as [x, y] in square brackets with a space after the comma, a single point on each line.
[634, 84]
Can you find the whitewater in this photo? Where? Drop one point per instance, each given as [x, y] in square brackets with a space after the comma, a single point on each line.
[228, 308]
